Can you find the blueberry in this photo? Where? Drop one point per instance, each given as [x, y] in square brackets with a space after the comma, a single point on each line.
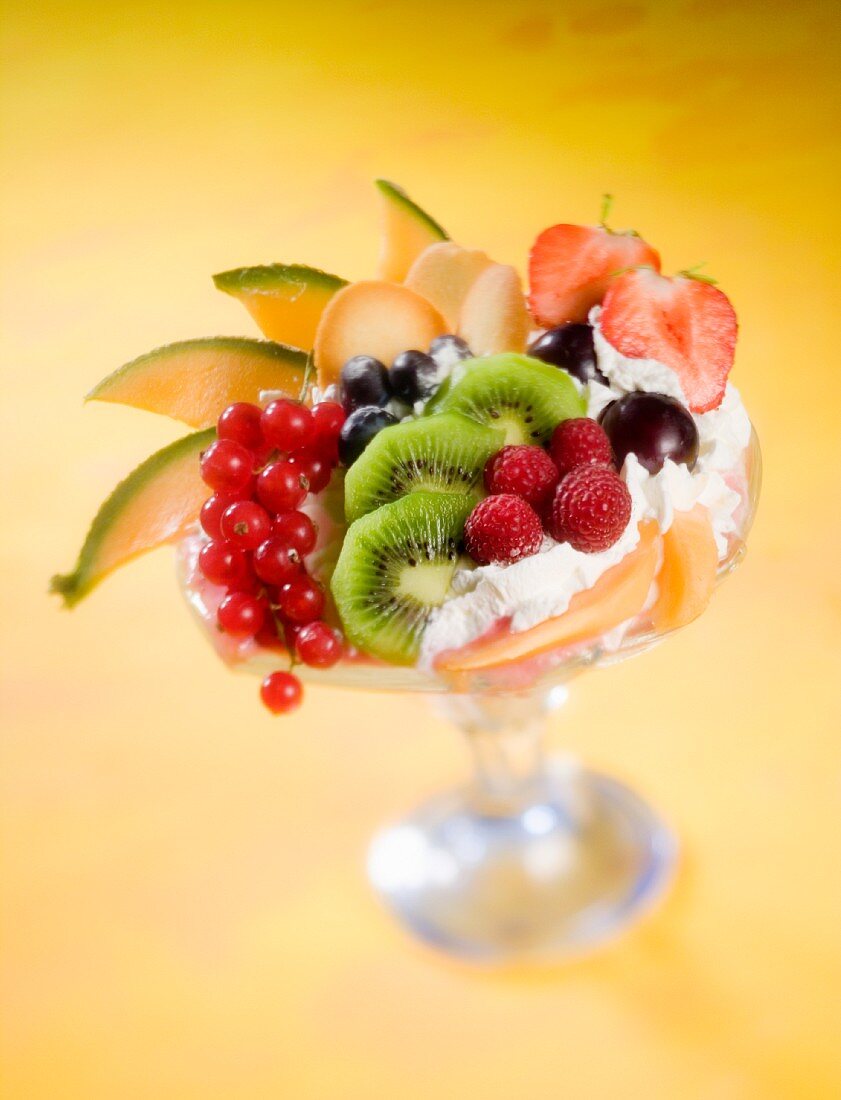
[449, 349]
[570, 347]
[364, 381]
[652, 426]
[414, 376]
[359, 429]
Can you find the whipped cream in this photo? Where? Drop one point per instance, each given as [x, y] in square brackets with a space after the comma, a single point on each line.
[541, 586]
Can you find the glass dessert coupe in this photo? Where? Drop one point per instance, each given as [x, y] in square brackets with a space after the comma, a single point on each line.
[533, 857]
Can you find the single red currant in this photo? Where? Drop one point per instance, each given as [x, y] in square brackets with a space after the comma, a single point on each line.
[316, 467]
[276, 561]
[226, 466]
[318, 645]
[241, 615]
[267, 636]
[246, 524]
[241, 422]
[222, 563]
[297, 529]
[282, 486]
[287, 425]
[211, 513]
[281, 692]
[328, 417]
[301, 600]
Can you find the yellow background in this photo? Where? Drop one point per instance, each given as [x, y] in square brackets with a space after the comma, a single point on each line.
[185, 913]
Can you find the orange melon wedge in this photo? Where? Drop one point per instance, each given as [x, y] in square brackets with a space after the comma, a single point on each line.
[619, 594]
[373, 317]
[194, 380]
[286, 300]
[155, 504]
[688, 574]
[406, 231]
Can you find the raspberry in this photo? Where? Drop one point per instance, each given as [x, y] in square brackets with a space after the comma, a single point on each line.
[591, 509]
[502, 529]
[527, 472]
[580, 442]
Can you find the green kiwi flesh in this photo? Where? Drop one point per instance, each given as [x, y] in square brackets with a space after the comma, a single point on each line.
[524, 397]
[395, 568]
[441, 454]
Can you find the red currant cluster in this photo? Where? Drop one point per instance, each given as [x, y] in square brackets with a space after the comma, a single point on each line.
[261, 467]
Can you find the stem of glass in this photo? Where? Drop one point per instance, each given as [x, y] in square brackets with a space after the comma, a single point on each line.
[505, 734]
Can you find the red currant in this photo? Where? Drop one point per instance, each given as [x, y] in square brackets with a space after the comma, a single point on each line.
[318, 645]
[290, 634]
[267, 636]
[211, 513]
[276, 562]
[246, 524]
[241, 615]
[328, 417]
[281, 692]
[249, 582]
[222, 563]
[226, 466]
[282, 486]
[301, 600]
[241, 422]
[287, 425]
[315, 466]
[297, 529]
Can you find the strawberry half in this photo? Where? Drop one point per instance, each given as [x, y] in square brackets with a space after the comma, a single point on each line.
[683, 322]
[570, 269]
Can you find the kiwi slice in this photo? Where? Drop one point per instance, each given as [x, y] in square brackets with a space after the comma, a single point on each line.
[441, 454]
[523, 396]
[395, 568]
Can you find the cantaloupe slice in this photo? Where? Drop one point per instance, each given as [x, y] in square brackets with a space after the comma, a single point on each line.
[286, 300]
[690, 564]
[373, 318]
[194, 380]
[494, 317]
[155, 504]
[406, 231]
[444, 273]
[619, 594]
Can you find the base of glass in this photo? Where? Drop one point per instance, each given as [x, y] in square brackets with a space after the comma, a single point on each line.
[574, 864]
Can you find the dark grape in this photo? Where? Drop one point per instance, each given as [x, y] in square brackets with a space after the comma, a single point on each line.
[359, 429]
[414, 376]
[652, 426]
[571, 347]
[364, 381]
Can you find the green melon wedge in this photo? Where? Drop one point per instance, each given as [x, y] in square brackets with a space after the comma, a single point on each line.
[194, 380]
[155, 504]
[286, 300]
[407, 231]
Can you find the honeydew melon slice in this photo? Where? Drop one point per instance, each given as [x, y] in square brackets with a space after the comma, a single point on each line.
[154, 505]
[406, 231]
[194, 380]
[617, 595]
[286, 300]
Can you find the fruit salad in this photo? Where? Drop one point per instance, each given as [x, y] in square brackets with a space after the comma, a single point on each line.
[437, 468]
